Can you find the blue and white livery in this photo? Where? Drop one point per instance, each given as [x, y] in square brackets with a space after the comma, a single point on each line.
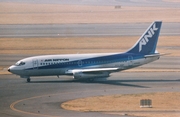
[91, 66]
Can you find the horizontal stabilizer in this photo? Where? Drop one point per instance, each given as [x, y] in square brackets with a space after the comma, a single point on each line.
[157, 54]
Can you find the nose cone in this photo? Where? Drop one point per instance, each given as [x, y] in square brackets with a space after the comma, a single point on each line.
[9, 70]
[12, 69]
[16, 70]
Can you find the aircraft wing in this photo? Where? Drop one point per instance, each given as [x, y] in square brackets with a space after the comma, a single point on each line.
[92, 70]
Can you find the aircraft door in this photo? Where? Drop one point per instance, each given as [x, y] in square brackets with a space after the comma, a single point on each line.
[80, 63]
[35, 64]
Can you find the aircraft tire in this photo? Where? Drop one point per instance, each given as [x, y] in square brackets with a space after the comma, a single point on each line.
[28, 80]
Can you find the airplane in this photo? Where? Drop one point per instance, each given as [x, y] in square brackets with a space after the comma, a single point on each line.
[92, 66]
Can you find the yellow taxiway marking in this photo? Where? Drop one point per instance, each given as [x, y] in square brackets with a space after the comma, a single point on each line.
[12, 106]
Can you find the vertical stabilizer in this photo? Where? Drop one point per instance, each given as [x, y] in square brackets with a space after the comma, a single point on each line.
[148, 41]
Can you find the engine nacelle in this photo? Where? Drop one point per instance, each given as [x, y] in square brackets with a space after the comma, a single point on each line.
[80, 75]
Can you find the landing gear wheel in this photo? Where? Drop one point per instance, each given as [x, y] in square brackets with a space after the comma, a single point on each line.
[28, 80]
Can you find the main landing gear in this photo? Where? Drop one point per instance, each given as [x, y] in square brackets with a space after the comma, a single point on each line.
[28, 80]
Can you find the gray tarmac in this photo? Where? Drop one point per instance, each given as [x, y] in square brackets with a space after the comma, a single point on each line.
[83, 30]
[43, 96]
[144, 3]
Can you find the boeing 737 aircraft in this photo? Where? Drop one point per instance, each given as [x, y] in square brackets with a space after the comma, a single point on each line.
[91, 66]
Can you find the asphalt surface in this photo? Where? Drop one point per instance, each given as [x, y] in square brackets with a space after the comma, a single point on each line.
[83, 30]
[43, 96]
[144, 3]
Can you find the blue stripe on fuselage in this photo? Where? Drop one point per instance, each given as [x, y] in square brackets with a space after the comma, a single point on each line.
[92, 61]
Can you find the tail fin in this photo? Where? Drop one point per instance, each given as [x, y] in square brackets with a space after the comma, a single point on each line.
[148, 41]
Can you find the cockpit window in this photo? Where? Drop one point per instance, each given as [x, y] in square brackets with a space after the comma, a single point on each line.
[19, 63]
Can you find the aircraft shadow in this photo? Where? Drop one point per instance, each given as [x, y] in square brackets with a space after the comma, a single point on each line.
[128, 83]
[107, 82]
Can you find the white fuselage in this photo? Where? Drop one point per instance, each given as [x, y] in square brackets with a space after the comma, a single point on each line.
[60, 64]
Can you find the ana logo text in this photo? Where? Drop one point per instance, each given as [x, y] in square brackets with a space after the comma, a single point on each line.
[145, 39]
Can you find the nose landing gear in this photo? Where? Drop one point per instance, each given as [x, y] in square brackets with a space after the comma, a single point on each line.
[28, 80]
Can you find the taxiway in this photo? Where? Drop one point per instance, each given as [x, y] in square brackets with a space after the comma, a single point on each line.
[83, 30]
[43, 96]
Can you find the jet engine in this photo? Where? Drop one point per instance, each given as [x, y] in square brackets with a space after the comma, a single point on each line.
[80, 75]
